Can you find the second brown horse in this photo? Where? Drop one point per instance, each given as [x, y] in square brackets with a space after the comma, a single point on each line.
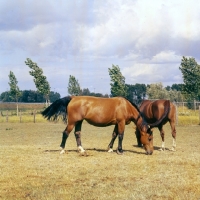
[101, 112]
[159, 110]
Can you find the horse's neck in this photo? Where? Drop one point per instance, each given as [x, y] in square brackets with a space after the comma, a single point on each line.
[139, 122]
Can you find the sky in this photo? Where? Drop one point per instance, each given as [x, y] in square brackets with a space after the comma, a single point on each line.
[83, 38]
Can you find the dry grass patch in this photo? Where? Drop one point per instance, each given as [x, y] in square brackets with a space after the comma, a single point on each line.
[32, 168]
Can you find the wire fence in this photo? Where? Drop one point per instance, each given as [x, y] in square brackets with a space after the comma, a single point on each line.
[188, 113]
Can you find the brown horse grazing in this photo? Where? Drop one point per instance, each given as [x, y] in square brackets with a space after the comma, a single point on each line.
[99, 112]
[161, 111]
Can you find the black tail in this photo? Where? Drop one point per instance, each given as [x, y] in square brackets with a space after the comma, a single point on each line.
[166, 111]
[57, 108]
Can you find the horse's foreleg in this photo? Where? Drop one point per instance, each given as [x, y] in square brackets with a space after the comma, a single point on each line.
[77, 134]
[121, 127]
[138, 136]
[162, 134]
[119, 149]
[114, 136]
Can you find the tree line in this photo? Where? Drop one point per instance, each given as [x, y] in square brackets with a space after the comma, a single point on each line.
[29, 96]
[188, 91]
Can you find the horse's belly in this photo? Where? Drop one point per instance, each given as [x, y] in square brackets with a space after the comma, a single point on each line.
[101, 123]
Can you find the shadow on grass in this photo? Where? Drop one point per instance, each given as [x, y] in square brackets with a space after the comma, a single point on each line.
[95, 149]
[155, 148]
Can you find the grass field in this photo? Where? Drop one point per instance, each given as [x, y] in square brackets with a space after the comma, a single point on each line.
[32, 168]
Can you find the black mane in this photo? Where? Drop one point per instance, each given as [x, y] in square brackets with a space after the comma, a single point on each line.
[144, 123]
[133, 104]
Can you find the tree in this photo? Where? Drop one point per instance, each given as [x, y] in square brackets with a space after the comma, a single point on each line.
[53, 96]
[14, 89]
[191, 78]
[175, 95]
[73, 86]
[157, 91]
[40, 80]
[118, 87]
[5, 97]
[85, 92]
[136, 93]
[177, 87]
[32, 96]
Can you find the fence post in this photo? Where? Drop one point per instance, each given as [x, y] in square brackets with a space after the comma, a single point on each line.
[176, 114]
[199, 115]
[34, 116]
[20, 116]
[194, 106]
[6, 115]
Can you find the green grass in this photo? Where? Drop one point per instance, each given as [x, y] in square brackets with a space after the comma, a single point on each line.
[24, 118]
[188, 117]
[29, 117]
[32, 168]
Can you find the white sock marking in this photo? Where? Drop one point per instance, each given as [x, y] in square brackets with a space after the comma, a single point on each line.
[110, 150]
[81, 149]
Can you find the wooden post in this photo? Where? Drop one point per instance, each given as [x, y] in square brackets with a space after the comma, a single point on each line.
[176, 115]
[199, 115]
[20, 116]
[194, 106]
[34, 116]
[6, 115]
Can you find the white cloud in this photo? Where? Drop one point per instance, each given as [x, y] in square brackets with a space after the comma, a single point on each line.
[145, 38]
[166, 57]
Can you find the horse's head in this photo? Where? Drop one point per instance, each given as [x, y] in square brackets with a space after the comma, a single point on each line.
[146, 136]
[147, 139]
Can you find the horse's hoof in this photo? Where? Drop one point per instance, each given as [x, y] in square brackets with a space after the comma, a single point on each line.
[161, 149]
[172, 149]
[119, 152]
[110, 150]
[62, 151]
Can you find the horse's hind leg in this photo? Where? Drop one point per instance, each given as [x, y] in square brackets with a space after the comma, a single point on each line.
[162, 134]
[66, 133]
[77, 134]
[114, 136]
[172, 124]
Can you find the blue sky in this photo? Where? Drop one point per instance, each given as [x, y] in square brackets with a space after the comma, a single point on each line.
[83, 38]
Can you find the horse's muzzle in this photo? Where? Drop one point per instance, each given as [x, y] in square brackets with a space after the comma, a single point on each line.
[149, 152]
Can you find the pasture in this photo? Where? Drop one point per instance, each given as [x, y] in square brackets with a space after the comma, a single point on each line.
[32, 168]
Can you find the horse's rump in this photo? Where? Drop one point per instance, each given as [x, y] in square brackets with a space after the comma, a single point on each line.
[156, 112]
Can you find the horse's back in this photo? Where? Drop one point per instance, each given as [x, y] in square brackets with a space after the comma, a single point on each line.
[95, 110]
